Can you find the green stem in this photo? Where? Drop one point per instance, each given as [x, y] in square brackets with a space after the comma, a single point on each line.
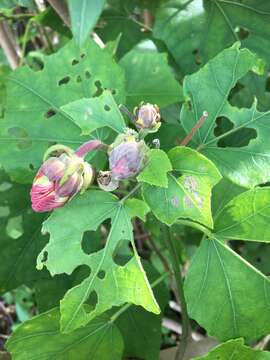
[180, 290]
[135, 189]
[27, 30]
[127, 306]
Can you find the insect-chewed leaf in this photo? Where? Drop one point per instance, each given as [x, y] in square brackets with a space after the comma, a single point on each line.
[245, 164]
[34, 118]
[113, 279]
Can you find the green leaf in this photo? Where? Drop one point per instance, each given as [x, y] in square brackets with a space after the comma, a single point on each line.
[207, 27]
[40, 338]
[246, 217]
[188, 196]
[110, 283]
[235, 350]
[20, 240]
[84, 15]
[155, 173]
[95, 113]
[136, 207]
[245, 165]
[222, 193]
[34, 118]
[150, 79]
[141, 329]
[230, 291]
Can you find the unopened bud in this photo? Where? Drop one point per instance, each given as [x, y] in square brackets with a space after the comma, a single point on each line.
[59, 179]
[147, 116]
[128, 157]
[106, 182]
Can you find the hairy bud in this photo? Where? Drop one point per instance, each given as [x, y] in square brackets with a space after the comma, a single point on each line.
[128, 156]
[106, 182]
[147, 116]
[59, 179]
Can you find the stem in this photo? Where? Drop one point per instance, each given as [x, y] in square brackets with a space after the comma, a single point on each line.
[6, 42]
[25, 37]
[194, 129]
[179, 284]
[91, 145]
[135, 189]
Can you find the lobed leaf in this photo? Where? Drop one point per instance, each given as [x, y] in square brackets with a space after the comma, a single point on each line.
[187, 196]
[109, 283]
[155, 173]
[34, 118]
[230, 291]
[246, 217]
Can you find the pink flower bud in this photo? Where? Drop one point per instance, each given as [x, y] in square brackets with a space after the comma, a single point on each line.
[127, 158]
[59, 179]
[147, 116]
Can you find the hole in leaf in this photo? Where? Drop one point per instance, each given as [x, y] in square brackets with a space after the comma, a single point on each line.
[74, 62]
[31, 167]
[242, 32]
[107, 107]
[267, 84]
[113, 91]
[79, 79]
[80, 273]
[87, 75]
[99, 88]
[197, 57]
[122, 253]
[44, 256]
[91, 242]
[239, 138]
[82, 55]
[50, 113]
[64, 81]
[101, 274]
[92, 301]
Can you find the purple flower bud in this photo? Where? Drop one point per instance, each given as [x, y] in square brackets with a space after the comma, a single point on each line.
[128, 158]
[59, 179]
[147, 116]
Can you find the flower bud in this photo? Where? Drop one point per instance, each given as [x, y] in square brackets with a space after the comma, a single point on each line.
[106, 182]
[147, 116]
[128, 157]
[59, 179]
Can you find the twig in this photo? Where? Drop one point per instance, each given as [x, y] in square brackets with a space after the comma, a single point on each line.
[61, 9]
[179, 283]
[193, 130]
[160, 255]
[135, 189]
[7, 44]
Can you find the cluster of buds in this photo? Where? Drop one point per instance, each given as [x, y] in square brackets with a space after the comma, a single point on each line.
[64, 172]
[62, 175]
